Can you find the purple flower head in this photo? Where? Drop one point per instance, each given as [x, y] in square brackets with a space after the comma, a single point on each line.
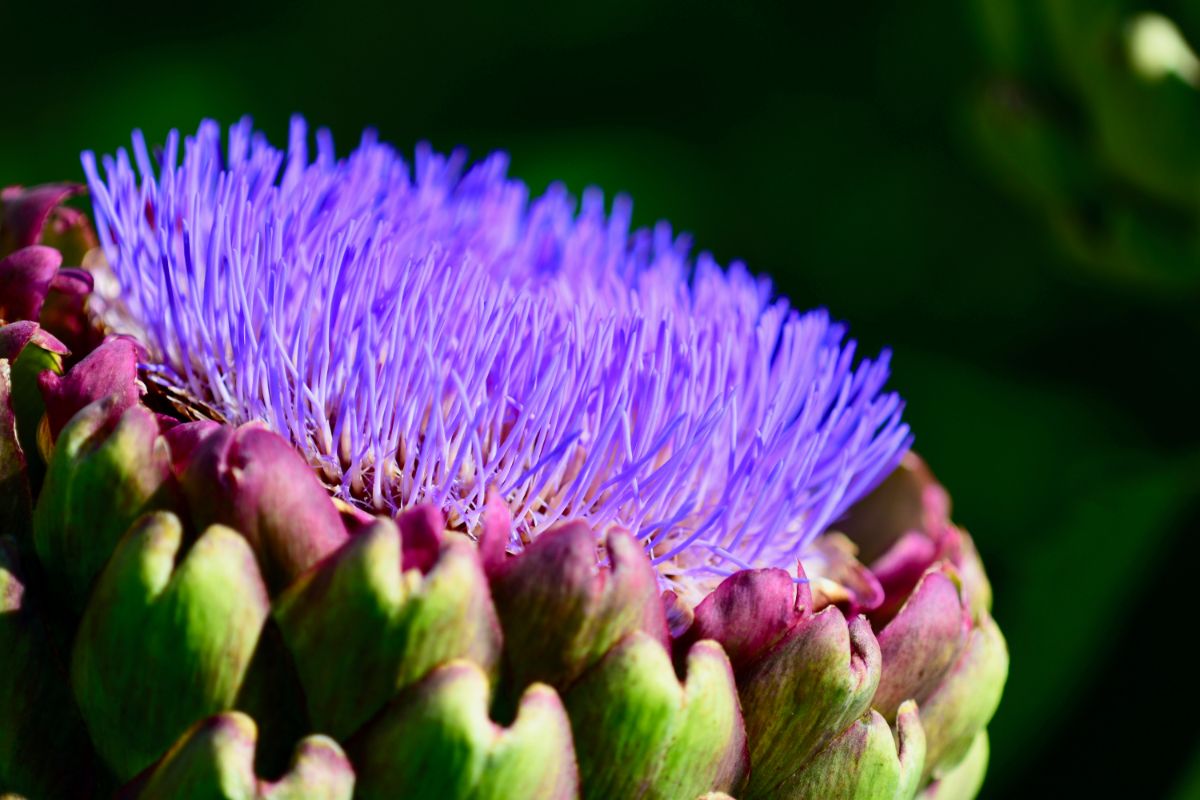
[426, 332]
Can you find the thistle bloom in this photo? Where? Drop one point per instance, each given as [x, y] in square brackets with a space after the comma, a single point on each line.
[329, 481]
[424, 334]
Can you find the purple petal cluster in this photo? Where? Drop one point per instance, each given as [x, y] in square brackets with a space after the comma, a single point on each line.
[424, 332]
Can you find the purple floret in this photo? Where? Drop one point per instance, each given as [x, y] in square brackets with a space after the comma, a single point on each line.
[424, 333]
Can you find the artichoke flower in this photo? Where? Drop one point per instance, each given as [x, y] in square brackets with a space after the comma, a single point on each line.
[347, 477]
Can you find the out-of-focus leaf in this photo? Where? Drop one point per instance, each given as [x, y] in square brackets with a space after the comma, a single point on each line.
[1188, 786]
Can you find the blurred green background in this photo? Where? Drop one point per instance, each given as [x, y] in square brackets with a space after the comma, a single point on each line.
[1005, 192]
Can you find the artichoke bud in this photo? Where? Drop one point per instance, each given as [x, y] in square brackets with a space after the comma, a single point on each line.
[16, 498]
[903, 528]
[421, 529]
[214, 760]
[435, 741]
[964, 780]
[26, 350]
[108, 371]
[34, 287]
[865, 762]
[166, 639]
[639, 732]
[25, 278]
[616, 556]
[35, 215]
[804, 678]
[108, 468]
[922, 641]
[939, 643]
[26, 337]
[363, 600]
[824, 672]
[66, 312]
[252, 481]
[957, 709]
[562, 611]
[748, 614]
[184, 439]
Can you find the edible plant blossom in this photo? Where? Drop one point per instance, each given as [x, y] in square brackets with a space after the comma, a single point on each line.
[570, 430]
[427, 332]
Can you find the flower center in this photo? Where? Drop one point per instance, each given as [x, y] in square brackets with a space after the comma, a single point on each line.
[424, 334]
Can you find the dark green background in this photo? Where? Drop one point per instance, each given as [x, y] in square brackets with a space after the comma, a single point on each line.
[830, 145]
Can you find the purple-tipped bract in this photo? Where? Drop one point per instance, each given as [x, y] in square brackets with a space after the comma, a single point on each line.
[424, 333]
